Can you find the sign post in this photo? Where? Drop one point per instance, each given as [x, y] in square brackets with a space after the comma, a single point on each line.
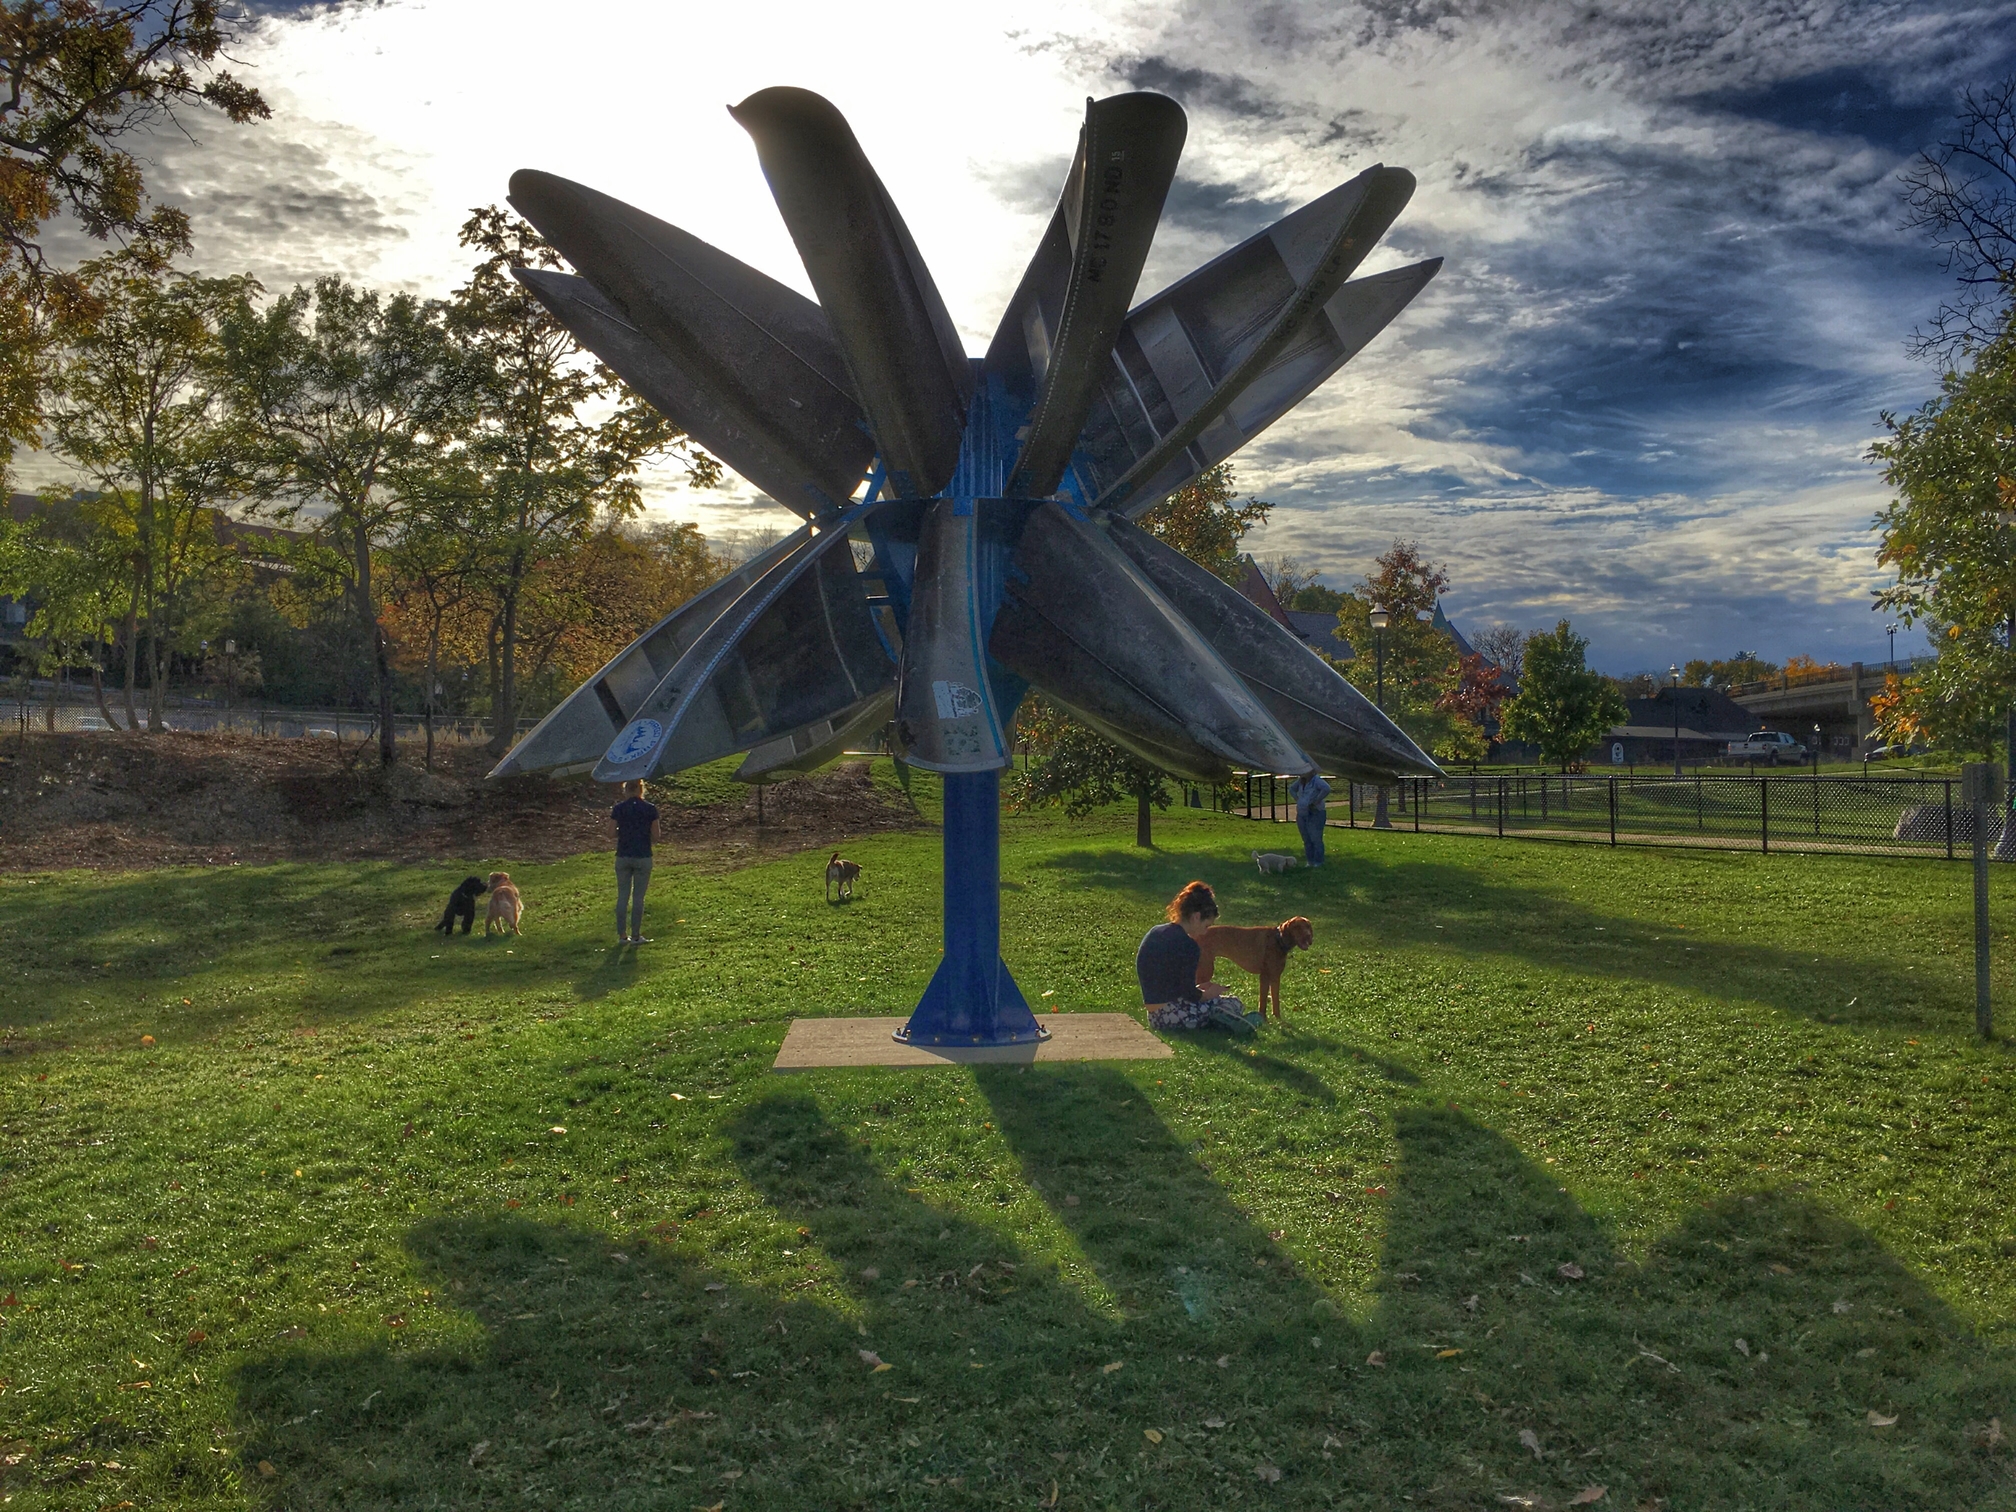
[1981, 791]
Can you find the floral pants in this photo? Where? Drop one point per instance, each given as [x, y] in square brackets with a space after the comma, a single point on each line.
[1196, 1015]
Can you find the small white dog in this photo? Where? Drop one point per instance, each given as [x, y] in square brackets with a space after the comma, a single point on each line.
[1273, 861]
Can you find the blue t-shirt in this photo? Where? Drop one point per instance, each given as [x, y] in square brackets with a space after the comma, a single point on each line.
[634, 818]
[1166, 963]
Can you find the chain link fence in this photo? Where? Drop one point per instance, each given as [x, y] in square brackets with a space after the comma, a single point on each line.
[346, 726]
[1883, 815]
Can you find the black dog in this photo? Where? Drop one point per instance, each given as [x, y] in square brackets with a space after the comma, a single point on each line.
[462, 905]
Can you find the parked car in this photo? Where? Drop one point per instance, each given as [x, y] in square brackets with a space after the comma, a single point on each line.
[1768, 746]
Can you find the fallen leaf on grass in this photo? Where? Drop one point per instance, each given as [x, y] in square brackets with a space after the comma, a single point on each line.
[1278, 1235]
[1780, 1270]
[1470, 1302]
[1842, 1305]
[1569, 1271]
[1266, 1472]
[1447, 1354]
[1743, 1348]
[1522, 1501]
[869, 1357]
[716, 1286]
[1992, 1435]
[476, 1454]
[148, 1039]
[1214, 1422]
[1588, 1496]
[1877, 1420]
[197, 1336]
[1053, 1495]
[1109, 1369]
[1377, 1357]
[266, 1469]
[557, 1129]
[1153, 1435]
[1375, 1191]
[1530, 1440]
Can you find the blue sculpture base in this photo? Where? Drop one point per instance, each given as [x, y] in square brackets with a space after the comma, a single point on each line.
[972, 999]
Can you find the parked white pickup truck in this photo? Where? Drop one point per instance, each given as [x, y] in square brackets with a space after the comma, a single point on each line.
[1769, 746]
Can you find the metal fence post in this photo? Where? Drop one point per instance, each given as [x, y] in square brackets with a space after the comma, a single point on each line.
[1764, 814]
[1613, 811]
[1980, 782]
[1949, 819]
[1351, 803]
[1816, 798]
[1502, 794]
[1420, 795]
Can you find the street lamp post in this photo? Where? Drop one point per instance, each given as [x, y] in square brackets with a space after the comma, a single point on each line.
[1891, 631]
[230, 680]
[1381, 618]
[1675, 673]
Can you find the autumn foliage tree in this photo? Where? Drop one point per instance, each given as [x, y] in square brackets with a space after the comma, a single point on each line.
[81, 76]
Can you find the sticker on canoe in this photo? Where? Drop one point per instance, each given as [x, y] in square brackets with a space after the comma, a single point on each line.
[955, 700]
[637, 740]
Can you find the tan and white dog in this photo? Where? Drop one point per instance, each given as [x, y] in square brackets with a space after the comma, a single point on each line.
[506, 907]
[842, 874]
[1273, 861]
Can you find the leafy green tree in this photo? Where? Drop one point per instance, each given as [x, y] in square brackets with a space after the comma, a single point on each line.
[74, 572]
[1562, 707]
[553, 441]
[1945, 533]
[1077, 769]
[81, 74]
[1728, 671]
[133, 406]
[1422, 689]
[1206, 522]
[350, 400]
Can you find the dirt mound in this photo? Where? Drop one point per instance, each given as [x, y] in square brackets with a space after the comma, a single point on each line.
[126, 801]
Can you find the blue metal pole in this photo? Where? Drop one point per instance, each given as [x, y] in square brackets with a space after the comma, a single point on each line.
[972, 999]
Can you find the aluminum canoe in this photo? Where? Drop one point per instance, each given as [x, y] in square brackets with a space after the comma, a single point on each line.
[796, 646]
[1169, 402]
[946, 716]
[1342, 729]
[1082, 623]
[804, 750]
[749, 368]
[903, 352]
[574, 736]
[1057, 334]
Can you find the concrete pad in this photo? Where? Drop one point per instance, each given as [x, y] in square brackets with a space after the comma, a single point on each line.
[812, 1043]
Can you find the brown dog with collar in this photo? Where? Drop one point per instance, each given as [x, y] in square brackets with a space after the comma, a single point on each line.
[1263, 951]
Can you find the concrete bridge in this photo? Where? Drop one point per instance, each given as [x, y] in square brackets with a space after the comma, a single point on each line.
[1836, 699]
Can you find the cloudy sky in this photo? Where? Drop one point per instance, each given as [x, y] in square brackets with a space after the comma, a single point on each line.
[1675, 302]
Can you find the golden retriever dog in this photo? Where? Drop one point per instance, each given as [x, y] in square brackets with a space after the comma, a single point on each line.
[506, 907]
[1263, 951]
[842, 874]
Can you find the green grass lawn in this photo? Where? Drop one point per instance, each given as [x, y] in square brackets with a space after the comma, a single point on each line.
[1675, 1174]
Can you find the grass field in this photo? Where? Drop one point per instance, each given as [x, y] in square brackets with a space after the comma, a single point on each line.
[1671, 1174]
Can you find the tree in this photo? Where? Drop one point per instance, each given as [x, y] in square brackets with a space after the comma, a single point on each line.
[538, 467]
[1418, 677]
[1479, 694]
[1202, 521]
[1078, 769]
[1504, 646]
[1962, 193]
[352, 398]
[133, 406]
[1952, 464]
[1743, 667]
[81, 74]
[1562, 706]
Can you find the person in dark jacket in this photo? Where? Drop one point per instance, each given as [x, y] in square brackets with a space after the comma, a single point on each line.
[1166, 966]
[633, 820]
[1311, 815]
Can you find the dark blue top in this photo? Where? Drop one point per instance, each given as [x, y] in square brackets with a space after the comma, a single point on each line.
[634, 818]
[1166, 963]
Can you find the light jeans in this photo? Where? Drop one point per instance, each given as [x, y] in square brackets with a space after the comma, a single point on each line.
[633, 875]
[1311, 826]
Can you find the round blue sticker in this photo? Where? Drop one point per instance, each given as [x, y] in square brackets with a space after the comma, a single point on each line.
[636, 741]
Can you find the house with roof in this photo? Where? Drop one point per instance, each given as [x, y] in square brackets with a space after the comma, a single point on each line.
[1707, 720]
[1317, 630]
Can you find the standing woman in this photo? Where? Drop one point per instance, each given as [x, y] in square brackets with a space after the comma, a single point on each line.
[1166, 965]
[633, 820]
[1311, 815]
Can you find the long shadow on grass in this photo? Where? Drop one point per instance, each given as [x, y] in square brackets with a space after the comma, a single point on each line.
[1370, 902]
[619, 1374]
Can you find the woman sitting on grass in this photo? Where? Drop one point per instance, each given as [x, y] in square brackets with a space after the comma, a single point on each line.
[1166, 963]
